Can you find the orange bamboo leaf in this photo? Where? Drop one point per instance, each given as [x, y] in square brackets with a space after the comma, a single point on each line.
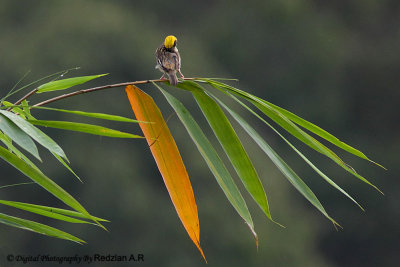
[168, 159]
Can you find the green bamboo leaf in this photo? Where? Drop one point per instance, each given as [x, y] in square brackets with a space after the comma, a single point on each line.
[319, 172]
[284, 122]
[37, 227]
[11, 185]
[58, 210]
[66, 83]
[90, 114]
[286, 170]
[290, 127]
[41, 179]
[61, 73]
[231, 144]
[212, 159]
[7, 104]
[67, 166]
[40, 211]
[18, 136]
[35, 133]
[219, 79]
[14, 150]
[19, 111]
[321, 133]
[26, 108]
[84, 128]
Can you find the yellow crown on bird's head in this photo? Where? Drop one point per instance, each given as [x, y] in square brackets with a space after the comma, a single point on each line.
[170, 41]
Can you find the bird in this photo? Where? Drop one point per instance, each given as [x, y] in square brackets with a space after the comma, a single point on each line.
[169, 60]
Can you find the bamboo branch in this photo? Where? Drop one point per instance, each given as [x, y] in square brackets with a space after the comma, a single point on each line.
[26, 96]
[23, 98]
[89, 90]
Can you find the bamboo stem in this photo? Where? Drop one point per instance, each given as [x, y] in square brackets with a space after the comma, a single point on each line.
[89, 90]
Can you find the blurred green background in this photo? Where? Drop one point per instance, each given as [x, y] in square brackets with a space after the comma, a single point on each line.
[334, 63]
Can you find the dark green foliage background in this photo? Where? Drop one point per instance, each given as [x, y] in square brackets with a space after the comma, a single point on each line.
[335, 64]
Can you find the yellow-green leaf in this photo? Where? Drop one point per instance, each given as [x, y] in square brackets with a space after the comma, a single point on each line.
[88, 114]
[55, 213]
[44, 181]
[37, 227]
[84, 128]
[231, 144]
[18, 136]
[290, 127]
[66, 83]
[35, 133]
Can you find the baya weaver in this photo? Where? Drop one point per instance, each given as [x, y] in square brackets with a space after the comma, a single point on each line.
[169, 60]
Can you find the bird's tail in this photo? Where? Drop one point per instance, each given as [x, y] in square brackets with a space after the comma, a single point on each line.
[173, 80]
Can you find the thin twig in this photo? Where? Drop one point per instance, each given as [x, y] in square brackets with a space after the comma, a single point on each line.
[35, 90]
[26, 96]
[84, 91]
[23, 98]
[164, 125]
